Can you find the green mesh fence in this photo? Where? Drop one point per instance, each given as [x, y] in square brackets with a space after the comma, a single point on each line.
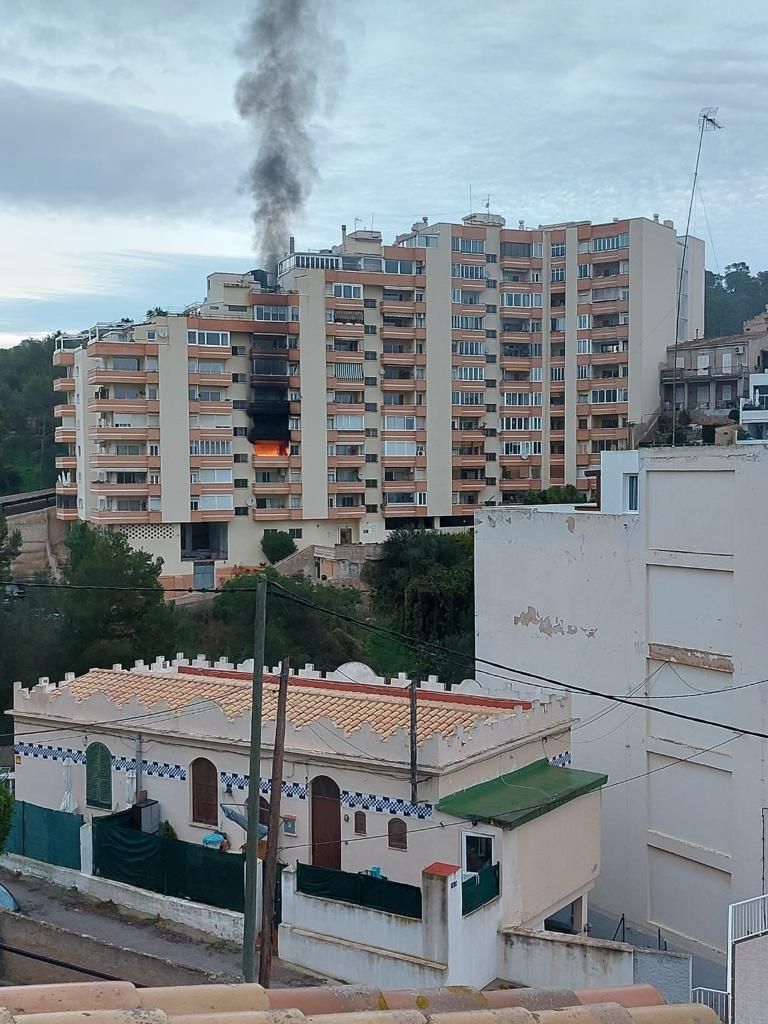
[167, 866]
[362, 889]
[46, 835]
[480, 889]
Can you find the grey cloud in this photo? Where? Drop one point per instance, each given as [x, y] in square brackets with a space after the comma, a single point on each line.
[67, 151]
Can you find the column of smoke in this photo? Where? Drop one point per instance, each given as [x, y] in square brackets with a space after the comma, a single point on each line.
[293, 63]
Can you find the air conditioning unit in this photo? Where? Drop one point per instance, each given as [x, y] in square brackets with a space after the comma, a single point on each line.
[739, 350]
[421, 451]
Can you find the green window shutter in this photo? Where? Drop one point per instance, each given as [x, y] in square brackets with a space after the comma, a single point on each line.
[98, 776]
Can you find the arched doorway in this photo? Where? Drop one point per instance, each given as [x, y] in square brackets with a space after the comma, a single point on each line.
[326, 823]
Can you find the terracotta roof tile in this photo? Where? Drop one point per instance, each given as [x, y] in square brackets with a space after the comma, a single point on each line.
[349, 708]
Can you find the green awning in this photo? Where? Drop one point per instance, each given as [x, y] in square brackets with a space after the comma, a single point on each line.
[521, 796]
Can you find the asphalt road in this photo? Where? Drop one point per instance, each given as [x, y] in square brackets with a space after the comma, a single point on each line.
[107, 922]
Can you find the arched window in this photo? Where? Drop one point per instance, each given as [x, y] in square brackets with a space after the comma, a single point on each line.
[205, 792]
[397, 834]
[359, 823]
[98, 776]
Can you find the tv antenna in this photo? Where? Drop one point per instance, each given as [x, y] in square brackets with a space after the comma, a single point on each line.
[707, 123]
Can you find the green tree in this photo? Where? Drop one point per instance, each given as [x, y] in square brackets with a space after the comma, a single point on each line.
[731, 298]
[156, 311]
[6, 814]
[304, 634]
[423, 586]
[277, 545]
[27, 449]
[101, 627]
[10, 547]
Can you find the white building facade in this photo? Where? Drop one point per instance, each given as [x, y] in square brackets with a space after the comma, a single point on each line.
[656, 598]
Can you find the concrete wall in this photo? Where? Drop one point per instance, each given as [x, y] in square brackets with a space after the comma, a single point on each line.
[223, 924]
[314, 382]
[550, 960]
[174, 421]
[614, 468]
[750, 980]
[81, 950]
[666, 603]
[438, 372]
[42, 534]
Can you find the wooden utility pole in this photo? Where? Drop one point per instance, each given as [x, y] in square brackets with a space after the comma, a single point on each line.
[273, 835]
[254, 774]
[414, 746]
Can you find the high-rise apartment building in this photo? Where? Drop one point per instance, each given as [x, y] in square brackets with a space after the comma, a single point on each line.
[374, 386]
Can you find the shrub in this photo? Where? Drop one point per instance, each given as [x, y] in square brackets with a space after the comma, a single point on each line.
[277, 545]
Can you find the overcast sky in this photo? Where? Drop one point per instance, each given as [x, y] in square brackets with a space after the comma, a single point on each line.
[121, 154]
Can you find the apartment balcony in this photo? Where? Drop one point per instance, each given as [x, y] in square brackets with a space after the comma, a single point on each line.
[64, 384]
[104, 516]
[68, 514]
[272, 487]
[342, 409]
[136, 349]
[397, 384]
[222, 408]
[124, 462]
[104, 375]
[608, 433]
[475, 461]
[608, 358]
[352, 512]
[210, 462]
[610, 331]
[469, 433]
[115, 490]
[66, 462]
[346, 461]
[469, 485]
[279, 461]
[124, 405]
[280, 512]
[110, 432]
[583, 459]
[754, 412]
[390, 307]
[67, 488]
[65, 435]
[219, 380]
[605, 409]
[64, 357]
[395, 332]
[65, 409]
[345, 487]
[518, 363]
[704, 373]
[398, 358]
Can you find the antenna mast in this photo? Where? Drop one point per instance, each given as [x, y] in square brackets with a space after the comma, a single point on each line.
[707, 123]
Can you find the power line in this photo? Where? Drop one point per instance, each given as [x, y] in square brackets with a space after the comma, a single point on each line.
[459, 658]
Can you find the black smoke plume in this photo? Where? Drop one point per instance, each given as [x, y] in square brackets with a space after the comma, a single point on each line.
[293, 63]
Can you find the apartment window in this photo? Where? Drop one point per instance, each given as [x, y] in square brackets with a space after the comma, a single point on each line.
[557, 249]
[295, 449]
[276, 313]
[241, 482]
[516, 250]
[294, 501]
[371, 432]
[239, 378]
[630, 492]
[520, 423]
[400, 449]
[240, 457]
[557, 323]
[467, 323]
[399, 267]
[469, 372]
[210, 447]
[98, 776]
[216, 502]
[294, 422]
[558, 273]
[239, 350]
[151, 335]
[370, 329]
[215, 476]
[348, 291]
[212, 338]
[240, 404]
[371, 407]
[584, 346]
[153, 449]
[522, 448]
[521, 299]
[467, 271]
[296, 532]
[583, 322]
[369, 303]
[601, 396]
[535, 373]
[557, 373]
[241, 510]
[468, 398]
[240, 431]
[585, 270]
[349, 423]
[469, 348]
[583, 372]
[476, 245]
[609, 242]
[371, 457]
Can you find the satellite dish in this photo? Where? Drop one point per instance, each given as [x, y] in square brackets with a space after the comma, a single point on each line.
[251, 502]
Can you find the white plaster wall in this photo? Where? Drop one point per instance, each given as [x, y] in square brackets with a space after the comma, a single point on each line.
[613, 468]
[438, 373]
[549, 960]
[579, 598]
[174, 421]
[314, 408]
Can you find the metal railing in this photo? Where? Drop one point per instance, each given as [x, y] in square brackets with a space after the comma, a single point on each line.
[715, 999]
[749, 917]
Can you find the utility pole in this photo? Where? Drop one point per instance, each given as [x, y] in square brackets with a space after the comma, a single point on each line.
[413, 741]
[270, 864]
[138, 767]
[254, 774]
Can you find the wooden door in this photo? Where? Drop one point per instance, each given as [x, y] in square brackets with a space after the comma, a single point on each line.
[326, 823]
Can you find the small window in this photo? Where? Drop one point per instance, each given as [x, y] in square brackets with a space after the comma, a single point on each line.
[359, 823]
[478, 851]
[205, 792]
[98, 776]
[397, 834]
[632, 492]
[240, 457]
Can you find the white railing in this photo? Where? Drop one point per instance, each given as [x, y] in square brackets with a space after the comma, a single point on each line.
[715, 999]
[750, 917]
